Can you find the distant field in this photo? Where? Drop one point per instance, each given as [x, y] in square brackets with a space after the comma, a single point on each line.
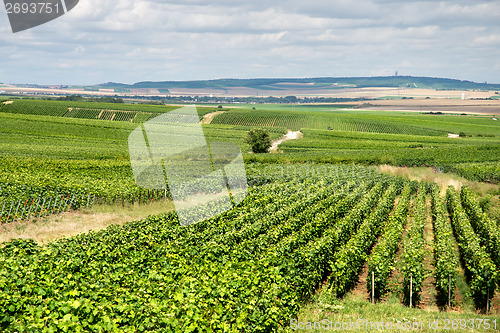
[396, 149]
[322, 125]
[357, 87]
[373, 137]
[486, 107]
[292, 107]
[56, 154]
[135, 113]
[74, 154]
[326, 117]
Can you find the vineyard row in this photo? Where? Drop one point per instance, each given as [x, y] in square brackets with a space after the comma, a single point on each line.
[248, 269]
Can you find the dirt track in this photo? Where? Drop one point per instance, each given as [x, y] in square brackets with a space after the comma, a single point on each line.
[207, 119]
[288, 136]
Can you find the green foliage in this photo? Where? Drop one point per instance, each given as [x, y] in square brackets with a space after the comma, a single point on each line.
[348, 225]
[304, 255]
[38, 180]
[396, 149]
[413, 254]
[38, 107]
[248, 269]
[259, 141]
[487, 229]
[320, 120]
[481, 270]
[314, 117]
[244, 270]
[482, 172]
[382, 261]
[357, 136]
[74, 107]
[445, 256]
[19, 246]
[72, 98]
[349, 260]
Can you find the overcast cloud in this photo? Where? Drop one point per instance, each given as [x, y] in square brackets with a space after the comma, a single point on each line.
[138, 40]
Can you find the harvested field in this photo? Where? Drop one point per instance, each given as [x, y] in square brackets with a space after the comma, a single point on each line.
[277, 90]
[486, 107]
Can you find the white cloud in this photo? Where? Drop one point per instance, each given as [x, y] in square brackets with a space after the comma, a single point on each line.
[135, 40]
[488, 40]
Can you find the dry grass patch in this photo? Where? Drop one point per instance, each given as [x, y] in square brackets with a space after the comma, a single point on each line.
[443, 180]
[207, 119]
[47, 229]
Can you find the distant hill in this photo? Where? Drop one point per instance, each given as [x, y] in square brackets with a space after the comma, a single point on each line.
[314, 83]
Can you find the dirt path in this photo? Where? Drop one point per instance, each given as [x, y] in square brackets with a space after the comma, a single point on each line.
[207, 119]
[428, 285]
[495, 304]
[360, 289]
[288, 136]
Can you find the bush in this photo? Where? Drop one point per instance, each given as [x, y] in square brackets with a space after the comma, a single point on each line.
[259, 140]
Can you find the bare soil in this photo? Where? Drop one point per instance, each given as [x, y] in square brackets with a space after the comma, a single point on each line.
[289, 136]
[428, 300]
[395, 280]
[360, 289]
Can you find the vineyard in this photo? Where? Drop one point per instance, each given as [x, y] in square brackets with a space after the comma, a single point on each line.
[44, 186]
[45, 158]
[360, 121]
[138, 113]
[299, 120]
[483, 172]
[318, 220]
[466, 155]
[251, 268]
[402, 139]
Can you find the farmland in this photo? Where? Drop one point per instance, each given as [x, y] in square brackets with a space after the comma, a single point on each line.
[321, 234]
[336, 87]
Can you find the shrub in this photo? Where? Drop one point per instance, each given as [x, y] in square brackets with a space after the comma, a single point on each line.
[259, 140]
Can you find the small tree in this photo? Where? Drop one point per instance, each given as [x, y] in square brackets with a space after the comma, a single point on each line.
[258, 140]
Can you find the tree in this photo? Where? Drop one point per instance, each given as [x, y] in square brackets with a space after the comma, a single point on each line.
[258, 140]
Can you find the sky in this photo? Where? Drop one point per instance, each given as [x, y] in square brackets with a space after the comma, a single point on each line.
[129, 41]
